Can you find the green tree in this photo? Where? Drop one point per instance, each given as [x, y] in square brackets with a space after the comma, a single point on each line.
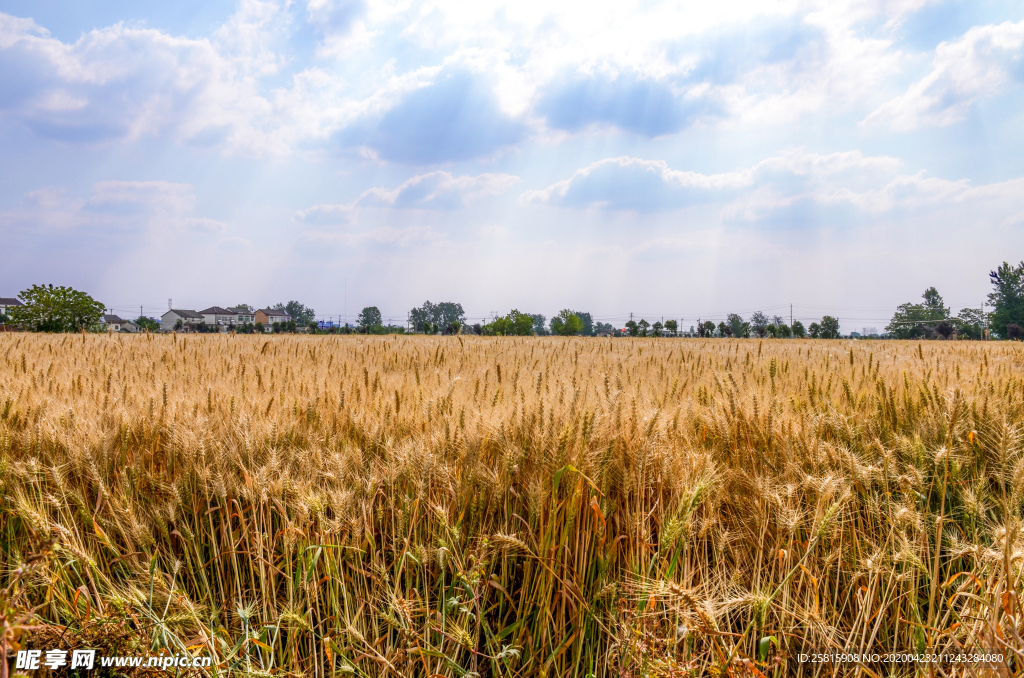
[643, 325]
[829, 327]
[514, 324]
[814, 330]
[656, 328]
[632, 328]
[370, 317]
[913, 321]
[539, 327]
[934, 303]
[970, 323]
[798, 330]
[443, 315]
[724, 329]
[739, 328]
[1007, 298]
[302, 315]
[759, 323]
[672, 326]
[147, 323]
[771, 330]
[783, 331]
[566, 323]
[709, 329]
[588, 323]
[46, 308]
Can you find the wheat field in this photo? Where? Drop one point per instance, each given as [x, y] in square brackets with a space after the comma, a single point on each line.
[460, 506]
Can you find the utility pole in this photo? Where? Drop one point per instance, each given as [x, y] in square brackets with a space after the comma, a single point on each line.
[791, 315]
[346, 302]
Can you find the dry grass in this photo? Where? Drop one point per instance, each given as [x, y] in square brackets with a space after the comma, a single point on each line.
[563, 507]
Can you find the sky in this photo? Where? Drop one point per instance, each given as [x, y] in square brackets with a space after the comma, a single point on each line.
[676, 160]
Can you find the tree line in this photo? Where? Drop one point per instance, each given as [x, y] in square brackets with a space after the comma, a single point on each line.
[932, 319]
[46, 308]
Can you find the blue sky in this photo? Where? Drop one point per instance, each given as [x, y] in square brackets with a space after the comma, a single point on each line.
[682, 159]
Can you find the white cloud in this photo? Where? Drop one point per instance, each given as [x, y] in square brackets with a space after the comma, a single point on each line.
[161, 196]
[438, 190]
[979, 64]
[323, 241]
[246, 89]
[434, 190]
[651, 185]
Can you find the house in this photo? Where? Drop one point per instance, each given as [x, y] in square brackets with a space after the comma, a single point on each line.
[8, 303]
[217, 316]
[118, 324]
[245, 316]
[269, 316]
[178, 318]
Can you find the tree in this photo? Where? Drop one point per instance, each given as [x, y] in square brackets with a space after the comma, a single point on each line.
[913, 321]
[724, 329]
[771, 330]
[970, 323]
[944, 329]
[46, 308]
[798, 330]
[633, 329]
[783, 331]
[709, 329]
[302, 315]
[1014, 332]
[1007, 298]
[514, 324]
[643, 325]
[672, 326]
[147, 323]
[259, 328]
[738, 327]
[443, 315]
[370, 317]
[829, 327]
[934, 303]
[759, 323]
[538, 324]
[603, 328]
[566, 323]
[814, 330]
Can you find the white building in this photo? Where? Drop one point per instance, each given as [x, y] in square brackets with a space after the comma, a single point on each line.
[118, 324]
[170, 321]
[215, 315]
[244, 315]
[8, 303]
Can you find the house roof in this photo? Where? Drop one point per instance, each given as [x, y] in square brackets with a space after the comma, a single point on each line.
[217, 310]
[182, 313]
[242, 311]
[9, 301]
[113, 319]
[275, 312]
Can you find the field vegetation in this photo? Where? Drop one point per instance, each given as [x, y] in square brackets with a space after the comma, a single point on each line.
[450, 506]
